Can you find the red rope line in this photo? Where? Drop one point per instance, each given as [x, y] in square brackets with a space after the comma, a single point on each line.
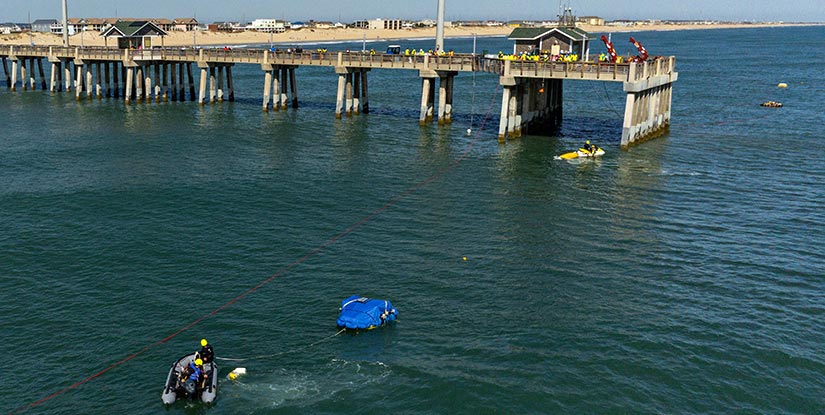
[441, 173]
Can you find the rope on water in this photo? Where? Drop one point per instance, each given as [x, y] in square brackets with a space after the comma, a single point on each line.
[268, 356]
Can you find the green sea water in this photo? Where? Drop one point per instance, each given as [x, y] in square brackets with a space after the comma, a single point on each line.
[683, 276]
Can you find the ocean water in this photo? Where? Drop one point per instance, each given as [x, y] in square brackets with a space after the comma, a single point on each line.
[683, 276]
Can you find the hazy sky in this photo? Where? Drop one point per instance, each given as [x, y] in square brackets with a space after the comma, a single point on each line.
[349, 10]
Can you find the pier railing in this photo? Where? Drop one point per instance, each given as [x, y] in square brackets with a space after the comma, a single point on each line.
[603, 71]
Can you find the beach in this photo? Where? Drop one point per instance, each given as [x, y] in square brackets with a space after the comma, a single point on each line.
[204, 38]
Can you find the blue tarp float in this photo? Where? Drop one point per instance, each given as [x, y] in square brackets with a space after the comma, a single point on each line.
[364, 313]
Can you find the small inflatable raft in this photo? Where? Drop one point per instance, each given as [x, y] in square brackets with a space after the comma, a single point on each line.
[364, 313]
[175, 389]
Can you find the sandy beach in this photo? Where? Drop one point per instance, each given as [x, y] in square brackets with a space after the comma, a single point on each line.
[332, 35]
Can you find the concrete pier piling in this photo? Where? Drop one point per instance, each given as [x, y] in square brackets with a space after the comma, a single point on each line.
[67, 75]
[13, 82]
[267, 88]
[156, 89]
[192, 94]
[24, 74]
[201, 84]
[293, 86]
[365, 103]
[283, 87]
[182, 81]
[173, 82]
[139, 84]
[350, 99]
[220, 83]
[6, 72]
[276, 88]
[427, 100]
[127, 87]
[116, 71]
[229, 84]
[356, 92]
[649, 96]
[445, 97]
[53, 77]
[339, 96]
[165, 82]
[89, 79]
[78, 86]
[212, 85]
[147, 87]
[42, 75]
[99, 80]
[107, 80]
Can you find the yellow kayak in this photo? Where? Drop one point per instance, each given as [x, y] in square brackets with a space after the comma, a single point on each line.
[580, 153]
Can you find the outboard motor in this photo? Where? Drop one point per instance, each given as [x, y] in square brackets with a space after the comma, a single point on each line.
[189, 387]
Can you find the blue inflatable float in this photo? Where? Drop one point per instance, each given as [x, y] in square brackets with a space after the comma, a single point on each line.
[363, 313]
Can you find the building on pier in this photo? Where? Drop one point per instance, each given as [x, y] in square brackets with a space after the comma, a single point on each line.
[139, 34]
[564, 38]
[555, 40]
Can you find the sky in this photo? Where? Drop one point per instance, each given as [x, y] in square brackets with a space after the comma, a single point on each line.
[350, 10]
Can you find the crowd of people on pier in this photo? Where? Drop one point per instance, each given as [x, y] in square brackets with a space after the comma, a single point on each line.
[546, 56]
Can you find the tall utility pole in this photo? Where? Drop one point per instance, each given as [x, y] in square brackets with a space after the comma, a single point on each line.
[65, 24]
[439, 28]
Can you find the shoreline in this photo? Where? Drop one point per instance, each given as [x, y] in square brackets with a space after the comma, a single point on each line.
[332, 36]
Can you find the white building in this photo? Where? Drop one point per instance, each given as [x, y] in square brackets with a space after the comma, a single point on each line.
[372, 24]
[267, 26]
[9, 28]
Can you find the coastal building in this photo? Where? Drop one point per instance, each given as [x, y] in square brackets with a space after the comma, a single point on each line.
[186, 24]
[77, 25]
[9, 28]
[430, 23]
[229, 26]
[43, 25]
[267, 26]
[373, 24]
[592, 20]
[323, 25]
[137, 34]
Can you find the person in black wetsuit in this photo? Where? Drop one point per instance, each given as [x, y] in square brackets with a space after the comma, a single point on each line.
[590, 148]
[207, 353]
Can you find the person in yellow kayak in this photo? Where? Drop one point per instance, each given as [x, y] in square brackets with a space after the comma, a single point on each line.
[590, 148]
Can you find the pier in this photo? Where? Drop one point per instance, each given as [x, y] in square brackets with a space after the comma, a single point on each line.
[532, 98]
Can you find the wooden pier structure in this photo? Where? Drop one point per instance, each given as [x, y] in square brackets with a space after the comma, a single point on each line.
[532, 98]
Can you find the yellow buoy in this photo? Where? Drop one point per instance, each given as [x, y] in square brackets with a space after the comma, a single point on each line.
[236, 373]
[782, 85]
[464, 258]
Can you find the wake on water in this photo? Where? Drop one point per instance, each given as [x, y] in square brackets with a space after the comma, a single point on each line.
[279, 387]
